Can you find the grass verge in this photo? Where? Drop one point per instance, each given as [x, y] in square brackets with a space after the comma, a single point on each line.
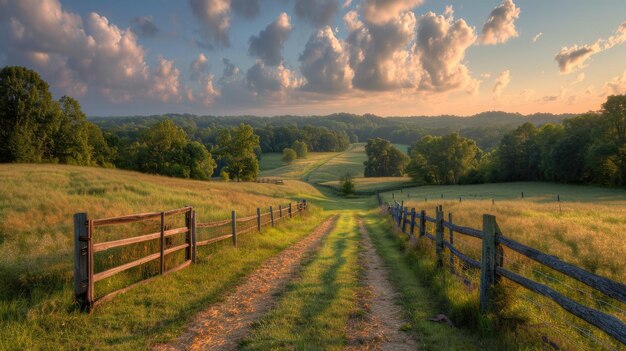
[314, 309]
[148, 314]
[410, 275]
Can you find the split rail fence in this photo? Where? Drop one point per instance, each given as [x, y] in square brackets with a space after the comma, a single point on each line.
[170, 234]
[491, 267]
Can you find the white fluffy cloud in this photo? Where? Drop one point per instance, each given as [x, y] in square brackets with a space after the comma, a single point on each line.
[268, 45]
[264, 80]
[198, 67]
[503, 80]
[324, 63]
[77, 56]
[574, 57]
[381, 11]
[500, 26]
[441, 45]
[616, 86]
[536, 37]
[379, 53]
[317, 12]
[214, 16]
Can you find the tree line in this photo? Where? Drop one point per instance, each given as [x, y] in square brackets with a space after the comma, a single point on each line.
[585, 149]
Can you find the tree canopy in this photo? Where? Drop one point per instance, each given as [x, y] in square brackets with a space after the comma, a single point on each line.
[236, 147]
[384, 159]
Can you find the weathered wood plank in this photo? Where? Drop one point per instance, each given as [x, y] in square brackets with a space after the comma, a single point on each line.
[213, 240]
[213, 224]
[605, 322]
[136, 217]
[607, 286]
[137, 239]
[488, 261]
[470, 261]
[108, 273]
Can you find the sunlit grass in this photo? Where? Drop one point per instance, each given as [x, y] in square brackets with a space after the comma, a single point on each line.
[585, 228]
[350, 161]
[373, 184]
[313, 312]
[298, 169]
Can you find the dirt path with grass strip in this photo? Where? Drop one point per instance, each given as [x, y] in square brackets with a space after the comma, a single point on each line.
[380, 328]
[223, 324]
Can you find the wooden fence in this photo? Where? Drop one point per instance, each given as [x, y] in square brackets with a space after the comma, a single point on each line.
[189, 235]
[491, 264]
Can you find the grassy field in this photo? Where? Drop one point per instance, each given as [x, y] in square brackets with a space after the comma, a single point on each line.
[313, 312]
[373, 184]
[350, 161]
[36, 242]
[298, 169]
[585, 228]
[271, 160]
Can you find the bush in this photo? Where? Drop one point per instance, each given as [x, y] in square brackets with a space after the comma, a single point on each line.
[347, 185]
[289, 155]
[300, 148]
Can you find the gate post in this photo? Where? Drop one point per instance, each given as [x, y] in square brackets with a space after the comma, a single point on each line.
[83, 262]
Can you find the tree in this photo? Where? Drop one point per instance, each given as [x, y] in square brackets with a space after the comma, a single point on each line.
[346, 184]
[28, 116]
[289, 155]
[164, 149]
[236, 146]
[384, 159]
[300, 148]
[614, 111]
[442, 160]
[71, 140]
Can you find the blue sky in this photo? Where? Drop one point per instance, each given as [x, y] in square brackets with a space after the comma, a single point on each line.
[374, 64]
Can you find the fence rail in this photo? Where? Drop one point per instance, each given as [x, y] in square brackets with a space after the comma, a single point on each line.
[85, 248]
[491, 265]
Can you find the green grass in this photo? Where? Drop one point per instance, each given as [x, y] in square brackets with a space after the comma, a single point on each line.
[373, 184]
[313, 311]
[271, 160]
[300, 168]
[416, 282]
[147, 314]
[583, 229]
[350, 161]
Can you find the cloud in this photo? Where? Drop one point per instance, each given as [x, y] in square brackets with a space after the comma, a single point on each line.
[264, 80]
[198, 67]
[79, 56]
[325, 63]
[214, 16]
[381, 11]
[500, 26]
[317, 12]
[536, 37]
[441, 45]
[617, 85]
[579, 78]
[572, 58]
[144, 27]
[246, 8]
[503, 80]
[165, 81]
[268, 45]
[379, 53]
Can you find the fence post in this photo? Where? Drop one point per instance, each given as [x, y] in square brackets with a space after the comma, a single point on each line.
[413, 222]
[451, 243]
[83, 258]
[193, 237]
[290, 210]
[489, 261]
[280, 211]
[305, 204]
[439, 236]
[422, 223]
[188, 216]
[406, 215]
[258, 219]
[234, 227]
[272, 215]
[162, 258]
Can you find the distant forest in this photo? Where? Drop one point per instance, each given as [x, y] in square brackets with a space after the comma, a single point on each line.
[330, 133]
[488, 147]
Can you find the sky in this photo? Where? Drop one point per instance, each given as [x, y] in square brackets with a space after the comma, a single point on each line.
[317, 57]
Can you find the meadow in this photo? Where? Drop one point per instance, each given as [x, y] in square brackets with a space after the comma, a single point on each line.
[585, 228]
[36, 244]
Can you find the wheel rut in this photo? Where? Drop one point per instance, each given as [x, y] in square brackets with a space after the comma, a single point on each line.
[223, 324]
[379, 328]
